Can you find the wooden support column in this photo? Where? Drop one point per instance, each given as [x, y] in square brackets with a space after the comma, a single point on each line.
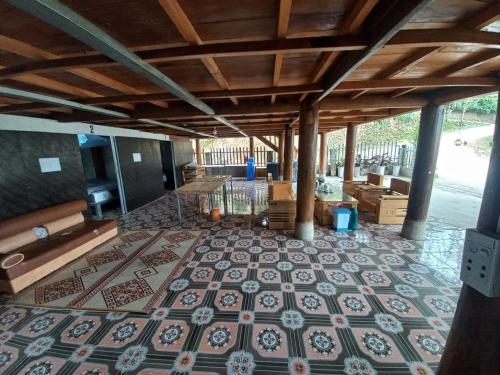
[429, 135]
[281, 154]
[288, 155]
[322, 154]
[474, 338]
[350, 152]
[306, 179]
[251, 149]
[198, 151]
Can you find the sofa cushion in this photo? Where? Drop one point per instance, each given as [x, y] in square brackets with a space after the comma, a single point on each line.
[45, 250]
[64, 223]
[11, 243]
[22, 223]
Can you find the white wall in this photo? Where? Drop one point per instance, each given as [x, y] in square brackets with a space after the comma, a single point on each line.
[31, 124]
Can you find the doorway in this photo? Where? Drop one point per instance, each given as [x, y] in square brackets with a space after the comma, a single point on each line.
[101, 176]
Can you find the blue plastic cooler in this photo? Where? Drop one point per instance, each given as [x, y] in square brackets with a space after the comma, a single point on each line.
[341, 219]
[251, 169]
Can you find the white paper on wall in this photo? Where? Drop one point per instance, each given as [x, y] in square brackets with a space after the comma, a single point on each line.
[49, 165]
[137, 157]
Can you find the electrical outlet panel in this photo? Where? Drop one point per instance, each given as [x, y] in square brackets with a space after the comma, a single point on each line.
[481, 262]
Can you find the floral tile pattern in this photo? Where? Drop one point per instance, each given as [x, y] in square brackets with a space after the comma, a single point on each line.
[248, 300]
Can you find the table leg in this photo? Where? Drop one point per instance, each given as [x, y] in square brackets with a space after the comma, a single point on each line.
[98, 210]
[179, 207]
[224, 198]
[232, 198]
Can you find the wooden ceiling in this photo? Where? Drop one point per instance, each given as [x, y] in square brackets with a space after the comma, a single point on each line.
[253, 61]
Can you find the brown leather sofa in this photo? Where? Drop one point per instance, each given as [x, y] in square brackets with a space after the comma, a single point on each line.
[26, 258]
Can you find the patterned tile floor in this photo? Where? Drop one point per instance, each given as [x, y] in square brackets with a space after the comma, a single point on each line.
[251, 300]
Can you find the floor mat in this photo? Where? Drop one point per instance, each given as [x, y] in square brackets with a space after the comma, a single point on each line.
[128, 273]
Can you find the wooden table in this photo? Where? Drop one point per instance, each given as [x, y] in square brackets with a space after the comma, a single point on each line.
[324, 202]
[205, 185]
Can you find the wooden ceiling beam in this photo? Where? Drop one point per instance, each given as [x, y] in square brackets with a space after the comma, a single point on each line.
[357, 15]
[217, 94]
[483, 18]
[372, 102]
[377, 84]
[405, 38]
[188, 32]
[230, 49]
[422, 38]
[283, 21]
[182, 111]
[379, 33]
[268, 143]
[467, 62]
[401, 66]
[449, 95]
[407, 62]
[26, 50]
[334, 103]
[351, 24]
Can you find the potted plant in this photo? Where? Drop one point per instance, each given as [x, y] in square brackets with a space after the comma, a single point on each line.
[320, 180]
[357, 166]
[340, 168]
[383, 163]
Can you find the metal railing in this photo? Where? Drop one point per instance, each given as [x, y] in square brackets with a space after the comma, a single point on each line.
[237, 156]
[399, 153]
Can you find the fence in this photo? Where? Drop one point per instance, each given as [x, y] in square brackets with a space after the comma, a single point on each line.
[237, 156]
[404, 154]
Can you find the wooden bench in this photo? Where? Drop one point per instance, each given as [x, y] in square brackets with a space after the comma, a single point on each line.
[282, 205]
[388, 205]
[373, 179]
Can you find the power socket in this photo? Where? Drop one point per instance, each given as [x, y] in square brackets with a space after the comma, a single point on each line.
[481, 262]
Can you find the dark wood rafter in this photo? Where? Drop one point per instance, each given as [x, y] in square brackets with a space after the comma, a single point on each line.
[375, 84]
[268, 143]
[283, 21]
[35, 53]
[188, 32]
[348, 42]
[352, 23]
[478, 21]
[381, 30]
[483, 18]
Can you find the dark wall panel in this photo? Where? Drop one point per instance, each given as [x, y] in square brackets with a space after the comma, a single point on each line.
[142, 180]
[183, 151]
[23, 187]
[168, 165]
